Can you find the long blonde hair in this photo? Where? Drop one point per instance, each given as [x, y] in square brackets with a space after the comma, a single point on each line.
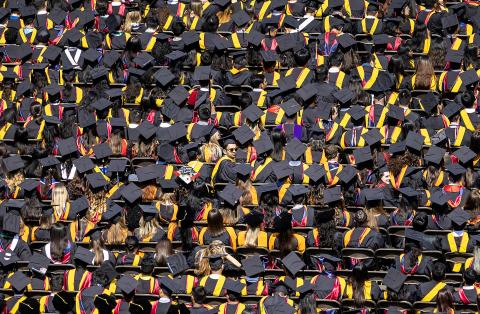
[372, 213]
[424, 73]
[251, 236]
[117, 233]
[15, 180]
[97, 201]
[130, 18]
[59, 198]
[115, 141]
[147, 228]
[210, 152]
[97, 246]
[201, 257]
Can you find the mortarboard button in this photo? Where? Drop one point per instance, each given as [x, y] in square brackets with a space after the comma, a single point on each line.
[253, 266]
[84, 255]
[435, 155]
[315, 172]
[83, 164]
[252, 113]
[143, 59]
[13, 163]
[291, 107]
[362, 155]
[293, 263]
[179, 94]
[414, 141]
[164, 76]
[230, 194]
[19, 281]
[243, 134]
[177, 264]
[464, 154]
[394, 279]
[96, 180]
[127, 284]
[102, 151]
[295, 149]
[396, 113]
[459, 217]
[456, 169]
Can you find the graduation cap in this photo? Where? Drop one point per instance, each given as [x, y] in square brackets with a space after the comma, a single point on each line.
[102, 150]
[101, 104]
[286, 42]
[253, 266]
[243, 169]
[49, 161]
[428, 101]
[291, 107]
[398, 147]
[104, 303]
[438, 198]
[79, 205]
[255, 38]
[347, 174]
[363, 154]
[131, 192]
[305, 288]
[435, 155]
[408, 192]
[395, 112]
[230, 194]
[459, 217]
[449, 20]
[346, 41]
[373, 194]
[117, 165]
[190, 37]
[167, 184]
[240, 18]
[380, 39]
[136, 72]
[307, 92]
[29, 184]
[464, 154]
[7, 258]
[98, 73]
[455, 56]
[315, 172]
[83, 164]
[344, 95]
[13, 163]
[177, 264]
[456, 169]
[73, 36]
[146, 129]
[469, 77]
[27, 11]
[29, 305]
[179, 94]
[86, 17]
[252, 113]
[84, 255]
[96, 180]
[149, 172]
[90, 54]
[63, 301]
[86, 119]
[164, 76]
[298, 189]
[169, 285]
[243, 134]
[51, 119]
[215, 260]
[291, 22]
[39, 263]
[282, 169]
[295, 149]
[263, 144]
[14, 204]
[356, 112]
[438, 137]
[143, 59]
[293, 263]
[19, 281]
[127, 284]
[114, 92]
[452, 109]
[414, 140]
[148, 210]
[176, 55]
[112, 213]
[234, 286]
[394, 279]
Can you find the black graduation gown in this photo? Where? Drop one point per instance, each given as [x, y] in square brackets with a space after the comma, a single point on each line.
[118, 41]
[324, 286]
[88, 296]
[426, 287]
[303, 216]
[369, 26]
[73, 51]
[10, 302]
[264, 175]
[147, 284]
[439, 222]
[238, 40]
[465, 296]
[210, 284]
[454, 136]
[22, 250]
[424, 268]
[446, 246]
[226, 172]
[291, 130]
[77, 279]
[208, 238]
[38, 283]
[373, 240]
[237, 79]
[161, 307]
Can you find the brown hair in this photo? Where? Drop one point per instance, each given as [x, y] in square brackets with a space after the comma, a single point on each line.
[117, 233]
[115, 143]
[424, 74]
[331, 151]
[215, 223]
[163, 250]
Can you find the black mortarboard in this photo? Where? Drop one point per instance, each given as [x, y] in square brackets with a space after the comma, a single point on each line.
[104, 303]
[148, 209]
[307, 91]
[117, 165]
[293, 263]
[469, 77]
[414, 140]
[131, 192]
[230, 194]
[464, 154]
[243, 169]
[291, 107]
[435, 155]
[11, 223]
[164, 76]
[356, 112]
[398, 147]
[114, 92]
[254, 219]
[90, 54]
[290, 22]
[146, 129]
[99, 72]
[51, 119]
[79, 205]
[234, 286]
[255, 38]
[177, 264]
[396, 113]
[449, 20]
[459, 217]
[343, 95]
[263, 144]
[408, 192]
[143, 59]
[452, 109]
[347, 174]
[29, 184]
[252, 113]
[49, 161]
[282, 169]
[73, 36]
[373, 194]
[29, 305]
[190, 37]
[346, 41]
[84, 255]
[305, 288]
[7, 258]
[112, 22]
[315, 172]
[149, 172]
[253, 266]
[215, 260]
[286, 42]
[413, 236]
[27, 11]
[167, 184]
[455, 56]
[52, 53]
[295, 148]
[14, 203]
[269, 56]
[118, 122]
[168, 285]
[96, 180]
[101, 104]
[179, 94]
[86, 119]
[86, 17]
[456, 169]
[83, 164]
[362, 155]
[243, 134]
[240, 18]
[373, 136]
[63, 301]
[102, 150]
[298, 189]
[113, 212]
[394, 279]
[380, 39]
[176, 55]
[127, 284]
[96, 232]
[438, 198]
[13, 163]
[52, 89]
[19, 281]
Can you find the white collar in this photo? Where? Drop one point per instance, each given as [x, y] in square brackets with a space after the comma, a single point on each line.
[204, 89]
[165, 125]
[470, 110]
[457, 233]
[215, 276]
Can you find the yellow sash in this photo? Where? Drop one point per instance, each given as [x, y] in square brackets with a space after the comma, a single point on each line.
[263, 10]
[460, 135]
[260, 168]
[348, 236]
[426, 45]
[4, 130]
[397, 182]
[372, 29]
[17, 305]
[433, 293]
[466, 120]
[218, 286]
[453, 244]
[340, 78]
[217, 165]
[236, 41]
[201, 41]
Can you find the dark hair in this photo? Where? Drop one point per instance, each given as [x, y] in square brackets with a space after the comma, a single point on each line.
[278, 139]
[301, 57]
[58, 241]
[131, 243]
[147, 265]
[438, 271]
[215, 223]
[199, 294]
[420, 222]
[357, 280]
[470, 276]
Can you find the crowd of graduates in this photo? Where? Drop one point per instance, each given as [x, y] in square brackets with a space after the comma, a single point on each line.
[225, 156]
